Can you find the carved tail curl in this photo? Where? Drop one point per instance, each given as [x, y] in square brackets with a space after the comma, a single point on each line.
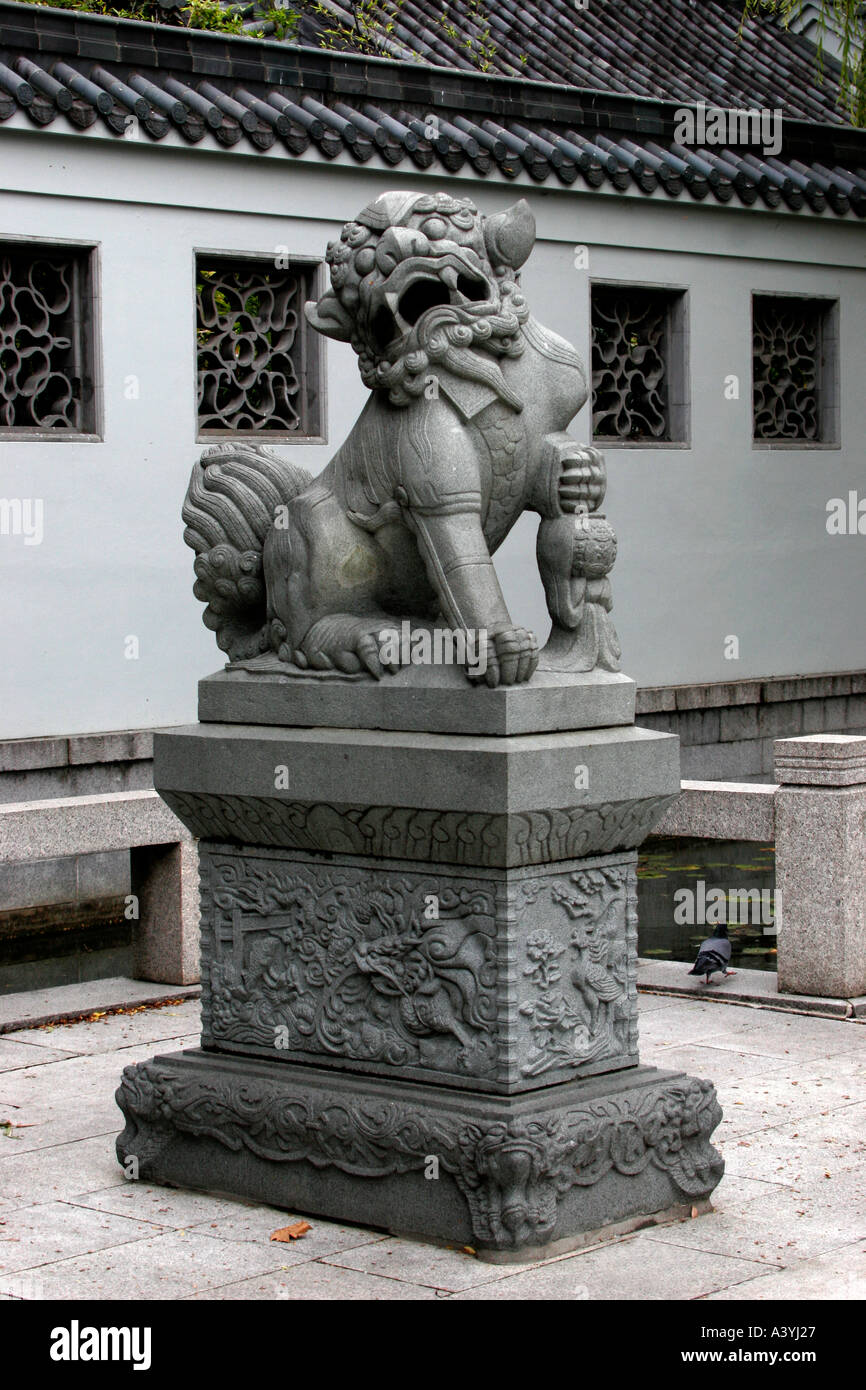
[230, 505]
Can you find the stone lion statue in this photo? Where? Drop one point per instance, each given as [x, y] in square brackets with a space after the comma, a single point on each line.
[464, 430]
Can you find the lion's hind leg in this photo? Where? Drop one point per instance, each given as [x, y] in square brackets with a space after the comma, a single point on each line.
[323, 576]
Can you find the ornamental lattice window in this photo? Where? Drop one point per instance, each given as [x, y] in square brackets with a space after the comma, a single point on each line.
[258, 360]
[46, 340]
[638, 365]
[793, 369]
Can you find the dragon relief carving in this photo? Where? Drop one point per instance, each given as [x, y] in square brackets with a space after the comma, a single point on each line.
[581, 1011]
[512, 1172]
[397, 969]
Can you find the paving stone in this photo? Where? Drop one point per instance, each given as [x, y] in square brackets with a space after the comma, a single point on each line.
[719, 1064]
[733, 1193]
[778, 1035]
[170, 1207]
[833, 1214]
[118, 1030]
[801, 1151]
[62, 1171]
[776, 1097]
[632, 1269]
[43, 1234]
[751, 1233]
[670, 978]
[165, 1266]
[324, 1238]
[789, 1119]
[838, 1275]
[835, 1203]
[41, 1099]
[417, 1263]
[315, 1281]
[649, 1003]
[24, 1287]
[15, 1055]
[846, 1070]
[27, 1009]
[684, 1021]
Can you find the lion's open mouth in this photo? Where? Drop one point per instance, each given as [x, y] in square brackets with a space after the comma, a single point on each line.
[404, 306]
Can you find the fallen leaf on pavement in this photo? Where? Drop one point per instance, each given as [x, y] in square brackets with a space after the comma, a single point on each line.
[294, 1232]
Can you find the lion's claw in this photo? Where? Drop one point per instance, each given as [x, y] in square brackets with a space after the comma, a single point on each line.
[512, 656]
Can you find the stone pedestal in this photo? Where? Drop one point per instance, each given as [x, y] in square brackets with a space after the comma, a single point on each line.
[419, 965]
[820, 857]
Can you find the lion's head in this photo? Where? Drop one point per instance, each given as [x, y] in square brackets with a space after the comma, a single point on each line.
[420, 279]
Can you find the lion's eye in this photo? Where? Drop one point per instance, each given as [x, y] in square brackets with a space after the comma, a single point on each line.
[434, 228]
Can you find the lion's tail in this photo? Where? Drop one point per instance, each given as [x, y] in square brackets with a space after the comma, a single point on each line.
[230, 505]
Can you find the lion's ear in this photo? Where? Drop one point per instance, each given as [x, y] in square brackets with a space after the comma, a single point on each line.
[329, 317]
[510, 235]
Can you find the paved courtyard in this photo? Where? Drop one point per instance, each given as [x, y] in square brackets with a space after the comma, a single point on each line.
[789, 1219]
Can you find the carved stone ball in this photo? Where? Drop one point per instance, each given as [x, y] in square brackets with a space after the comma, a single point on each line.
[594, 547]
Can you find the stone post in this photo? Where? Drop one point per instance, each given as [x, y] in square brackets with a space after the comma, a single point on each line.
[165, 942]
[821, 864]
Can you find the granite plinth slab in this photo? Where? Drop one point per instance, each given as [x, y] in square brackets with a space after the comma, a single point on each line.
[500, 980]
[504, 1175]
[450, 798]
[423, 699]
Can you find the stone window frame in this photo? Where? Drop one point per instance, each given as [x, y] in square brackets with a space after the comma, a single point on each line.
[829, 388]
[87, 313]
[677, 354]
[314, 346]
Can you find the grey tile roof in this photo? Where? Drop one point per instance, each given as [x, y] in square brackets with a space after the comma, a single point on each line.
[90, 71]
[673, 50]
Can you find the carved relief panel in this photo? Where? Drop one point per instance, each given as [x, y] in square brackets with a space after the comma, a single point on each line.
[501, 982]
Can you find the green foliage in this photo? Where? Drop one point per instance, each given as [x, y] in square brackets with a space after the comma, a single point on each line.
[373, 21]
[209, 14]
[195, 14]
[284, 20]
[848, 19]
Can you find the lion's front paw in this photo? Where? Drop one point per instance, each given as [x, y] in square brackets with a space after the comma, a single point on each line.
[511, 657]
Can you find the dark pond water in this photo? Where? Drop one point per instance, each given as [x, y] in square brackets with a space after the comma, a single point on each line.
[672, 923]
[41, 952]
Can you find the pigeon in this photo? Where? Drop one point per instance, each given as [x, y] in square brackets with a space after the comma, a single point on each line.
[714, 955]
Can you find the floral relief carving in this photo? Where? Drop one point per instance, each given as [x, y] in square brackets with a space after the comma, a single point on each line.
[580, 1010]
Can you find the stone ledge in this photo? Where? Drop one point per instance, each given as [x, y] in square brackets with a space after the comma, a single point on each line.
[71, 825]
[722, 811]
[755, 988]
[759, 691]
[28, 754]
[32, 1008]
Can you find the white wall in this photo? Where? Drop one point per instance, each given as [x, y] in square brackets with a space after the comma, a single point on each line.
[715, 540]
